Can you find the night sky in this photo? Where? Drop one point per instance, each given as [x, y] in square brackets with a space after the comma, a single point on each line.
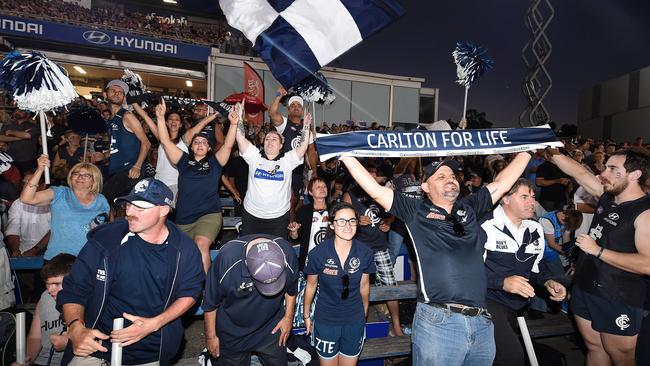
[593, 41]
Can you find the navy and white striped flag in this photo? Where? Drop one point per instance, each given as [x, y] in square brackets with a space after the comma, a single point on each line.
[297, 37]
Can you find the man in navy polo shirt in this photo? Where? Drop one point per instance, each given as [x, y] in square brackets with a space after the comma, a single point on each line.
[451, 324]
[250, 299]
[143, 269]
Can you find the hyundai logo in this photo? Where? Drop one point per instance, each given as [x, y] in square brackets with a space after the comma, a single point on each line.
[96, 37]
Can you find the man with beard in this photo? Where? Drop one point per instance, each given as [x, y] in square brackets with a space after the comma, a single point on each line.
[129, 144]
[609, 289]
[289, 127]
[143, 269]
[213, 129]
[451, 324]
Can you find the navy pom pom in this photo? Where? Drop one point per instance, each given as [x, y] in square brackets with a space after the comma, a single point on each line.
[36, 83]
[471, 63]
[314, 88]
[136, 86]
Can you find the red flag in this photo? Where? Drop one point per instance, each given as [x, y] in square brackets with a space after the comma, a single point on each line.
[253, 86]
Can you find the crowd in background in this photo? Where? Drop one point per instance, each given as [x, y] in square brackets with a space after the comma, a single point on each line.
[213, 35]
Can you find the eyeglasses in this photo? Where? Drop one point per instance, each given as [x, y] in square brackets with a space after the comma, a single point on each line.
[459, 229]
[341, 222]
[81, 175]
[346, 286]
[200, 142]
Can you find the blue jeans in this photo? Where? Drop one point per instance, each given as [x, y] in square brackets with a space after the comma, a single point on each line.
[395, 242]
[443, 338]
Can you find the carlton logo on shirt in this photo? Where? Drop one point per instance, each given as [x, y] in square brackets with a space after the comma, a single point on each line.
[373, 213]
[354, 264]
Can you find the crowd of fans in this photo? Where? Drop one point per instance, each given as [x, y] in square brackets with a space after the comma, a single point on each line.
[213, 35]
[188, 148]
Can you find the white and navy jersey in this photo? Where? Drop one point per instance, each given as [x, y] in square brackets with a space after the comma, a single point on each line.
[510, 250]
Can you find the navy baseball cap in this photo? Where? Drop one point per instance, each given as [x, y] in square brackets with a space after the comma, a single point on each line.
[148, 193]
[432, 168]
[266, 263]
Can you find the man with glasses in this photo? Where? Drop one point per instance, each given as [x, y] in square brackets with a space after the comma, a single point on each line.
[129, 144]
[514, 247]
[451, 325]
[250, 300]
[142, 269]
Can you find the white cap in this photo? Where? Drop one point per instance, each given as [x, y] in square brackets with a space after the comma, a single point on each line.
[295, 98]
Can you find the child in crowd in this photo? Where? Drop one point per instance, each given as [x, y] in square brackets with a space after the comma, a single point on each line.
[47, 337]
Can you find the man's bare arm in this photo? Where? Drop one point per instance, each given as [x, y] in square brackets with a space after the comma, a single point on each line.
[379, 193]
[578, 172]
[508, 176]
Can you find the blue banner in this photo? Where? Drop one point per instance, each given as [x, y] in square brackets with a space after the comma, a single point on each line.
[435, 143]
[91, 37]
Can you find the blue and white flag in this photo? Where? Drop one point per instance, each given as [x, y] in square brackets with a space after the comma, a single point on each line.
[297, 37]
[435, 143]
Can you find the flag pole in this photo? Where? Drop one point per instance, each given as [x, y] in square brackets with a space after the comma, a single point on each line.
[43, 119]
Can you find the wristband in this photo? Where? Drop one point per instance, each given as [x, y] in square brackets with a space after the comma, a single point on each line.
[277, 94]
[32, 185]
[73, 321]
[600, 252]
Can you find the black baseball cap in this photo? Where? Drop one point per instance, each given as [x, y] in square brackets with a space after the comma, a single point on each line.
[432, 168]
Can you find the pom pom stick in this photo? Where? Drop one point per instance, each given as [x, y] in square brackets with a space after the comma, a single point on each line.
[20, 338]
[471, 63]
[116, 348]
[37, 85]
[532, 357]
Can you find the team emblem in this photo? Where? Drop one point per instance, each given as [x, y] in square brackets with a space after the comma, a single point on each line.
[623, 322]
[141, 186]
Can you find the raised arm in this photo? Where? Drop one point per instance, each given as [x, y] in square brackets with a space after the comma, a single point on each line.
[582, 175]
[172, 151]
[133, 125]
[240, 136]
[379, 193]
[29, 195]
[187, 137]
[274, 108]
[223, 154]
[145, 116]
[508, 176]
[305, 135]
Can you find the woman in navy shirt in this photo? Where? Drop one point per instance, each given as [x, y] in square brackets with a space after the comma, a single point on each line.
[198, 208]
[340, 267]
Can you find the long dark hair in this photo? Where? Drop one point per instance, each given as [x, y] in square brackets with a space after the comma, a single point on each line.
[181, 130]
[332, 214]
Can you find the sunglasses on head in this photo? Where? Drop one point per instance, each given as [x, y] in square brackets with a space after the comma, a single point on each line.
[346, 286]
[459, 229]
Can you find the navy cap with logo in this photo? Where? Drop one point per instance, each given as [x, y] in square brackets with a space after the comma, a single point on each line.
[432, 168]
[149, 192]
[266, 264]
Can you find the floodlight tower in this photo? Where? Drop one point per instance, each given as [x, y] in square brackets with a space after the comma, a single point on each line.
[535, 53]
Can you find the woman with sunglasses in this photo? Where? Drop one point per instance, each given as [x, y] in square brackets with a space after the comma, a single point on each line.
[76, 209]
[198, 208]
[340, 268]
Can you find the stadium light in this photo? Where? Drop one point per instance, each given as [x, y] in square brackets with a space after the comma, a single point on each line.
[170, 2]
[188, 83]
[79, 70]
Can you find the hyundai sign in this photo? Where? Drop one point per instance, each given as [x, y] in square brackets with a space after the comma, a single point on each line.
[101, 38]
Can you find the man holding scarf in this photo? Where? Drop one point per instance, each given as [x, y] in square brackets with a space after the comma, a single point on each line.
[452, 283]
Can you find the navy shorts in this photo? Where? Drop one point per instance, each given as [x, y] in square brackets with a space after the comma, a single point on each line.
[332, 340]
[606, 316]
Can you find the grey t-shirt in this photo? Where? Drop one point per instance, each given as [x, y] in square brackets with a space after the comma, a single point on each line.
[51, 323]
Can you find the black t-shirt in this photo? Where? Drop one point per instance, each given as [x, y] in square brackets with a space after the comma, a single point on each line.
[554, 192]
[238, 168]
[365, 206]
[450, 266]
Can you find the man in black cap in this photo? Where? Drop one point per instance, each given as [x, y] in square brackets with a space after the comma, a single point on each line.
[143, 269]
[129, 144]
[250, 299]
[452, 325]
